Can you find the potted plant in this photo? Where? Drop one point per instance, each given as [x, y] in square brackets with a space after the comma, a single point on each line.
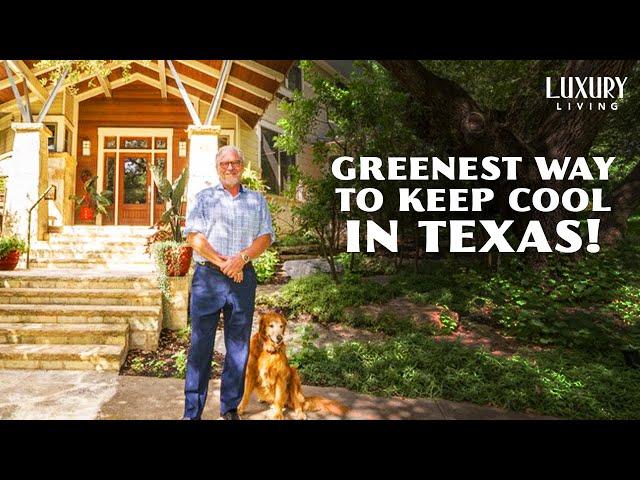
[91, 201]
[173, 256]
[10, 249]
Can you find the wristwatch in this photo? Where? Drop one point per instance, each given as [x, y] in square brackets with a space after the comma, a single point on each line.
[246, 258]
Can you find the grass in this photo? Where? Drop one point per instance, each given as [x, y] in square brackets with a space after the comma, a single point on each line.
[583, 311]
[559, 382]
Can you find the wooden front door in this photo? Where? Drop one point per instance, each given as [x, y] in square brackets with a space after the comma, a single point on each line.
[134, 195]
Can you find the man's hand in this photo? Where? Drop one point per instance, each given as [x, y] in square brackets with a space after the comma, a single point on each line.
[232, 265]
[238, 277]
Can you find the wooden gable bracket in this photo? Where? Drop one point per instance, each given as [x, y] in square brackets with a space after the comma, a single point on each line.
[185, 96]
[25, 110]
[34, 84]
[236, 82]
[214, 108]
[209, 90]
[106, 86]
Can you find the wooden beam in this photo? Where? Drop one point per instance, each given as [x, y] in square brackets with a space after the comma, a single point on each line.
[106, 86]
[37, 72]
[163, 78]
[95, 91]
[262, 70]
[26, 117]
[34, 84]
[152, 82]
[208, 89]
[220, 87]
[47, 105]
[195, 117]
[236, 82]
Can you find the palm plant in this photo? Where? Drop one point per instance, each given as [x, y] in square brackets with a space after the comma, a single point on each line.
[172, 194]
[92, 199]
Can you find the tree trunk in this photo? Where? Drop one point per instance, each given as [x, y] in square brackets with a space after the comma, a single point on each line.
[624, 200]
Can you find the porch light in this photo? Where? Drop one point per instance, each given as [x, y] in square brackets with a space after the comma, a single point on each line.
[182, 149]
[86, 148]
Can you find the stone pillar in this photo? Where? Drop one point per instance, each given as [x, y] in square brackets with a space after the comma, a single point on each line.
[175, 308]
[203, 147]
[62, 174]
[28, 179]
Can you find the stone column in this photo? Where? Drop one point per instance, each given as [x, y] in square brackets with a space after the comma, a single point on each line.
[28, 179]
[203, 147]
[62, 174]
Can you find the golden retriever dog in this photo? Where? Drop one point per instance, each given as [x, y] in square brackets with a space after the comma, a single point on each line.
[275, 381]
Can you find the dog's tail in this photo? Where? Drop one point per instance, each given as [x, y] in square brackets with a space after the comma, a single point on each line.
[312, 404]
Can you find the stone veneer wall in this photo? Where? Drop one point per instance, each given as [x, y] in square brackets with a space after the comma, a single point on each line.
[62, 174]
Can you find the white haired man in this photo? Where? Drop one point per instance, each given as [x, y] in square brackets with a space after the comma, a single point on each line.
[228, 226]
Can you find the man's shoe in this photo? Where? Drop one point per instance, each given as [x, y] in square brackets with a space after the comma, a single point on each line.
[231, 415]
[188, 418]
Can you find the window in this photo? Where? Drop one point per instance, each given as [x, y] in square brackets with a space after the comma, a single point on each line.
[294, 78]
[52, 144]
[274, 164]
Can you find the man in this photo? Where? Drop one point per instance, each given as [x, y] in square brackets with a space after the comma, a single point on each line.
[228, 227]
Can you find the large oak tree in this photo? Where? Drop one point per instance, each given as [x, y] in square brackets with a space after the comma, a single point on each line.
[528, 126]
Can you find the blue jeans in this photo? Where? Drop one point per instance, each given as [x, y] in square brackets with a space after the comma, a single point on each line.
[212, 292]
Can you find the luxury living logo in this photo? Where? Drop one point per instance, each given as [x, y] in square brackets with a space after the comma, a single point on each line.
[586, 93]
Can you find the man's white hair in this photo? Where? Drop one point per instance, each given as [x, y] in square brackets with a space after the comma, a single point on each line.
[226, 150]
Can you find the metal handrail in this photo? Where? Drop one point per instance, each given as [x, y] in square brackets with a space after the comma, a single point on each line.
[29, 225]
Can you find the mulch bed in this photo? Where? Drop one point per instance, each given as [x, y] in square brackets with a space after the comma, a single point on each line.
[160, 363]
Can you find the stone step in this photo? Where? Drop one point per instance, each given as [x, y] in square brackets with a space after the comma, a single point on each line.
[46, 249]
[62, 357]
[72, 334]
[301, 256]
[298, 250]
[80, 296]
[78, 278]
[106, 230]
[89, 240]
[86, 264]
[100, 256]
[138, 316]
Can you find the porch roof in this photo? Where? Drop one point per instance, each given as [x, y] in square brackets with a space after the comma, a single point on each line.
[250, 86]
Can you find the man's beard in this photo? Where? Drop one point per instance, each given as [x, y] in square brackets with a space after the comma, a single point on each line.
[230, 182]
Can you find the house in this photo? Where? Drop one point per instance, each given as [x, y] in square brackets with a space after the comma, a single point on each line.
[89, 292]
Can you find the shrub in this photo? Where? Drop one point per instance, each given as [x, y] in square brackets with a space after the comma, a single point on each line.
[265, 265]
[9, 244]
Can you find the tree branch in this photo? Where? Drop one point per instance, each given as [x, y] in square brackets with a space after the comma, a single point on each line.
[451, 114]
[624, 200]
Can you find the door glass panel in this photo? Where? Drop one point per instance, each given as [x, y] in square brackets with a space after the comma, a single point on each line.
[135, 180]
[162, 162]
[110, 176]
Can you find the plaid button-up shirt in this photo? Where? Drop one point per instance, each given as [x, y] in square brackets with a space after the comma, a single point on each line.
[230, 223]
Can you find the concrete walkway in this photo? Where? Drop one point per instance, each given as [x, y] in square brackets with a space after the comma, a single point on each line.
[76, 395]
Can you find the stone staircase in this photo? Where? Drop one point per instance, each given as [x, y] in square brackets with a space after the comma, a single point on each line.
[91, 247]
[89, 296]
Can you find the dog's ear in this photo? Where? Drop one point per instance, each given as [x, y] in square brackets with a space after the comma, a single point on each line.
[261, 324]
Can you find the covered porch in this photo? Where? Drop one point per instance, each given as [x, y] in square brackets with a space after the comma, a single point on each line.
[116, 125]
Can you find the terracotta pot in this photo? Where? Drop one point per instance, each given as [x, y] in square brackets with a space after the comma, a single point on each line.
[86, 213]
[10, 260]
[181, 267]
